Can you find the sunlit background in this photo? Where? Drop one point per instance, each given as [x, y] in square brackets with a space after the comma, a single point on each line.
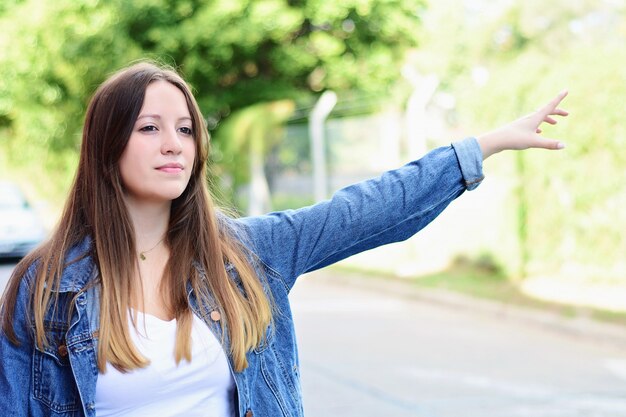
[303, 97]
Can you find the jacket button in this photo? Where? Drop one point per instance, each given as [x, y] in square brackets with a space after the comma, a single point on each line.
[249, 413]
[216, 316]
[62, 350]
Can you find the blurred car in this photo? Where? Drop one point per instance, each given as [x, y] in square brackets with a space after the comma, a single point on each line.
[20, 227]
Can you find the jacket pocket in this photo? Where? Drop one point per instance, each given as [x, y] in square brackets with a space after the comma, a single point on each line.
[53, 380]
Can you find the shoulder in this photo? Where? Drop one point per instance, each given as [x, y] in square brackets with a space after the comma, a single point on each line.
[253, 234]
[77, 269]
[236, 228]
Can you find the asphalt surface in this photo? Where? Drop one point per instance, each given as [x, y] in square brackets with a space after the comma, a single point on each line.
[372, 352]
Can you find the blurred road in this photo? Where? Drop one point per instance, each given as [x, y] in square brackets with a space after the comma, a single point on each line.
[368, 354]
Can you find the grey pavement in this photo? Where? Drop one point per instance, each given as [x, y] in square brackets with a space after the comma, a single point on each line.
[380, 352]
[581, 326]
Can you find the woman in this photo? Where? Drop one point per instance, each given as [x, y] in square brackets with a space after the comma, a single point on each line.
[147, 301]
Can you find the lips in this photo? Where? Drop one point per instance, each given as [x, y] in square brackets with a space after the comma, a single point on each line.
[172, 168]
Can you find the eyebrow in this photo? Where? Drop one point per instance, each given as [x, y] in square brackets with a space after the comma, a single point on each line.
[156, 116]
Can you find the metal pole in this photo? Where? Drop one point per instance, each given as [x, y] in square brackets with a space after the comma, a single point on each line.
[424, 87]
[318, 116]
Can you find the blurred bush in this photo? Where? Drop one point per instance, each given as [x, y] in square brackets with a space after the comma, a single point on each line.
[235, 53]
[503, 64]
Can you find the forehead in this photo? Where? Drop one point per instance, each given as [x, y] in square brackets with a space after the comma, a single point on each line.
[163, 96]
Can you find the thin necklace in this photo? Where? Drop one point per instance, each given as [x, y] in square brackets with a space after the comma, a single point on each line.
[142, 254]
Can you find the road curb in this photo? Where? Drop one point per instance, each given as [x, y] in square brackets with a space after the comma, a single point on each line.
[580, 327]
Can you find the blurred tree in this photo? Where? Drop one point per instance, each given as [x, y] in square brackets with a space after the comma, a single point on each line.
[52, 57]
[503, 58]
[235, 53]
[251, 134]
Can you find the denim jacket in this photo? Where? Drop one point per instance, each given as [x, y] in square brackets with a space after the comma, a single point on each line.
[60, 380]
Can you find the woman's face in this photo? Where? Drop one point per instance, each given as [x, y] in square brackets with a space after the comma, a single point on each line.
[158, 160]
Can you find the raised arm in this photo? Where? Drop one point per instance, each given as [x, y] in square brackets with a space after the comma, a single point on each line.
[365, 215]
[389, 208]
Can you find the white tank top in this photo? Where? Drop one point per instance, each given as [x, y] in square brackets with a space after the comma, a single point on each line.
[202, 387]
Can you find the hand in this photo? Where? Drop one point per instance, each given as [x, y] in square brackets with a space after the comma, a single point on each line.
[524, 133]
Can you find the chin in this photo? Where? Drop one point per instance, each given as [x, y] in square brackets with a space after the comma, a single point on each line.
[167, 193]
[173, 195]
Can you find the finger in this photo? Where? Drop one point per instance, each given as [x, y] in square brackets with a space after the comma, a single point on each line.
[552, 144]
[560, 112]
[554, 103]
[550, 120]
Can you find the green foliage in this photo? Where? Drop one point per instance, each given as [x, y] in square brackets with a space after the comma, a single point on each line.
[570, 204]
[256, 130]
[289, 201]
[47, 71]
[235, 53]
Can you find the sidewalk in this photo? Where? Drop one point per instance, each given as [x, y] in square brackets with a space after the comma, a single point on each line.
[599, 295]
[582, 327]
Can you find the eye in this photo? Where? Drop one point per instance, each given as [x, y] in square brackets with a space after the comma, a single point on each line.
[186, 131]
[148, 128]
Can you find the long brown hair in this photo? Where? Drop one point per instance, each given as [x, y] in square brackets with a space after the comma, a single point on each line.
[95, 210]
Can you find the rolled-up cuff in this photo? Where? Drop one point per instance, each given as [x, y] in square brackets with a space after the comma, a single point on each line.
[470, 160]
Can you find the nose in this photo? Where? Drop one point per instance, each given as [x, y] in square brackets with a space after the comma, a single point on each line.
[170, 143]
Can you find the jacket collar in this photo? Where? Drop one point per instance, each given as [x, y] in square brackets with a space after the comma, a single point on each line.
[80, 268]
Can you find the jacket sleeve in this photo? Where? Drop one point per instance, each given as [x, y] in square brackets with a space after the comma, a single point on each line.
[16, 361]
[386, 209]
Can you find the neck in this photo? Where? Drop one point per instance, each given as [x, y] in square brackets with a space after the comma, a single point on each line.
[150, 221]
